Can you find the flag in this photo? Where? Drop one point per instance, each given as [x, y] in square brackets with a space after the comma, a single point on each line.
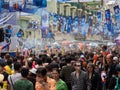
[99, 17]
[83, 20]
[45, 18]
[0, 6]
[69, 22]
[117, 15]
[108, 20]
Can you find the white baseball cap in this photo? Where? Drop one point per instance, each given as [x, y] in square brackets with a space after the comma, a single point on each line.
[115, 58]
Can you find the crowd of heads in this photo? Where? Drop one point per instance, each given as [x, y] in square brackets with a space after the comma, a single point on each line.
[39, 67]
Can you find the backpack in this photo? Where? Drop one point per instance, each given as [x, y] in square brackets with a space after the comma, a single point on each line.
[117, 86]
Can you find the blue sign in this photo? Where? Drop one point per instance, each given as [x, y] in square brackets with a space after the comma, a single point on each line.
[0, 6]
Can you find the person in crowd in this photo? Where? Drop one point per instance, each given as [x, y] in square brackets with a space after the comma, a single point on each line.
[23, 83]
[49, 70]
[43, 82]
[66, 71]
[8, 31]
[3, 75]
[115, 60]
[8, 67]
[110, 68]
[7, 57]
[60, 84]
[54, 63]
[115, 81]
[50, 35]
[14, 77]
[20, 33]
[79, 78]
[100, 62]
[94, 79]
[39, 63]
[32, 76]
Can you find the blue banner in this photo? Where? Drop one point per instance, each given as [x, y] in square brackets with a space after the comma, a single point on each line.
[0, 6]
[45, 18]
[17, 5]
[117, 12]
[117, 16]
[40, 3]
[108, 20]
[68, 26]
[99, 17]
[83, 21]
[29, 6]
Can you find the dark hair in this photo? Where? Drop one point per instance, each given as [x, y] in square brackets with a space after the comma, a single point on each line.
[48, 68]
[39, 61]
[56, 69]
[17, 66]
[48, 60]
[30, 64]
[7, 56]
[91, 65]
[42, 71]
[24, 72]
[9, 26]
[9, 62]
[67, 59]
[15, 59]
[2, 64]
[117, 68]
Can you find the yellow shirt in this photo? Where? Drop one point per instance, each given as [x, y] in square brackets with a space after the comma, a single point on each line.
[51, 84]
[8, 70]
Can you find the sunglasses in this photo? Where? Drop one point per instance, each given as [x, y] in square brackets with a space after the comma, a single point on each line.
[77, 65]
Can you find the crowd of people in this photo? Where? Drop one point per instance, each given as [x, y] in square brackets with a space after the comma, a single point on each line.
[94, 69]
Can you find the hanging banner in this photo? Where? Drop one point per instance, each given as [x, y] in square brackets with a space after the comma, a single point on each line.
[99, 17]
[55, 18]
[40, 3]
[69, 23]
[0, 6]
[90, 19]
[29, 6]
[45, 18]
[16, 5]
[108, 20]
[83, 20]
[117, 12]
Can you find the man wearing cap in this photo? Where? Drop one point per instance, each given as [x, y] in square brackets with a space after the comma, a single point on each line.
[115, 60]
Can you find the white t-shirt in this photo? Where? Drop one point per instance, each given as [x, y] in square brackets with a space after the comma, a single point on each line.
[13, 78]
